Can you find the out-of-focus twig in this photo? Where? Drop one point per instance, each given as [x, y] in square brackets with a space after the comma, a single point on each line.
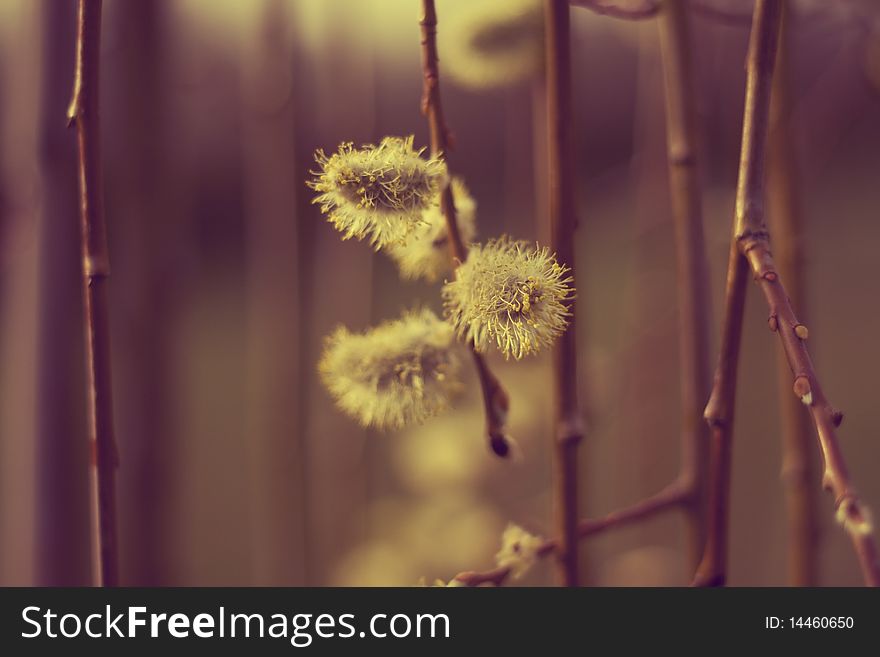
[563, 222]
[83, 113]
[692, 266]
[785, 220]
[495, 399]
[750, 253]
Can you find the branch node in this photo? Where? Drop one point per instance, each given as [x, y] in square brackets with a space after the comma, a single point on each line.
[803, 390]
[773, 322]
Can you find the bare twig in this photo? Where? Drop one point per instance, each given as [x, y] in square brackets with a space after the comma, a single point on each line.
[687, 492]
[673, 496]
[749, 201]
[563, 221]
[750, 250]
[785, 218]
[495, 398]
[83, 112]
[692, 266]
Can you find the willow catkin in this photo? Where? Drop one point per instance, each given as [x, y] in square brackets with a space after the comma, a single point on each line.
[425, 254]
[399, 373]
[519, 550]
[495, 44]
[510, 294]
[378, 193]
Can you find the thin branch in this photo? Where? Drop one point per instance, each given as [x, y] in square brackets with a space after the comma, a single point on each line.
[687, 492]
[750, 251]
[495, 398]
[83, 112]
[673, 496]
[749, 201]
[563, 222]
[692, 266]
[785, 219]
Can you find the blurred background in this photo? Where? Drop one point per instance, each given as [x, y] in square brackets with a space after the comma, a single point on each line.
[235, 467]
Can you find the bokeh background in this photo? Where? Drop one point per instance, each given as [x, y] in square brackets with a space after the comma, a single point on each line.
[235, 468]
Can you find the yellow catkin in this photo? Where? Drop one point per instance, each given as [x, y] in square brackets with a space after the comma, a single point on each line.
[519, 550]
[495, 44]
[509, 294]
[399, 373]
[426, 253]
[378, 193]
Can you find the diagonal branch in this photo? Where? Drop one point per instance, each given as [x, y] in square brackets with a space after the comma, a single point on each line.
[749, 204]
[750, 252]
[83, 112]
[673, 496]
[495, 399]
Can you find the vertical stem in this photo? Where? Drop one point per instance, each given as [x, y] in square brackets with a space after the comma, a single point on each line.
[692, 266]
[749, 214]
[569, 426]
[61, 538]
[273, 302]
[798, 474]
[83, 112]
[145, 232]
[495, 398]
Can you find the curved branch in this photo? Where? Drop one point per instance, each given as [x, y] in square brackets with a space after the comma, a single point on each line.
[496, 402]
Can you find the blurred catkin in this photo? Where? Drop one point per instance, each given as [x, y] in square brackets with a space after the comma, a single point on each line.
[425, 254]
[495, 44]
[519, 550]
[401, 372]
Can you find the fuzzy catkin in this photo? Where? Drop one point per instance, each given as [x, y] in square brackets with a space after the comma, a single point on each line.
[519, 550]
[495, 44]
[510, 294]
[378, 193]
[399, 373]
[426, 253]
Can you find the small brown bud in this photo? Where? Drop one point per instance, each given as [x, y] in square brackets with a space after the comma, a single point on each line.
[770, 276]
[773, 323]
[802, 386]
[801, 331]
[803, 390]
